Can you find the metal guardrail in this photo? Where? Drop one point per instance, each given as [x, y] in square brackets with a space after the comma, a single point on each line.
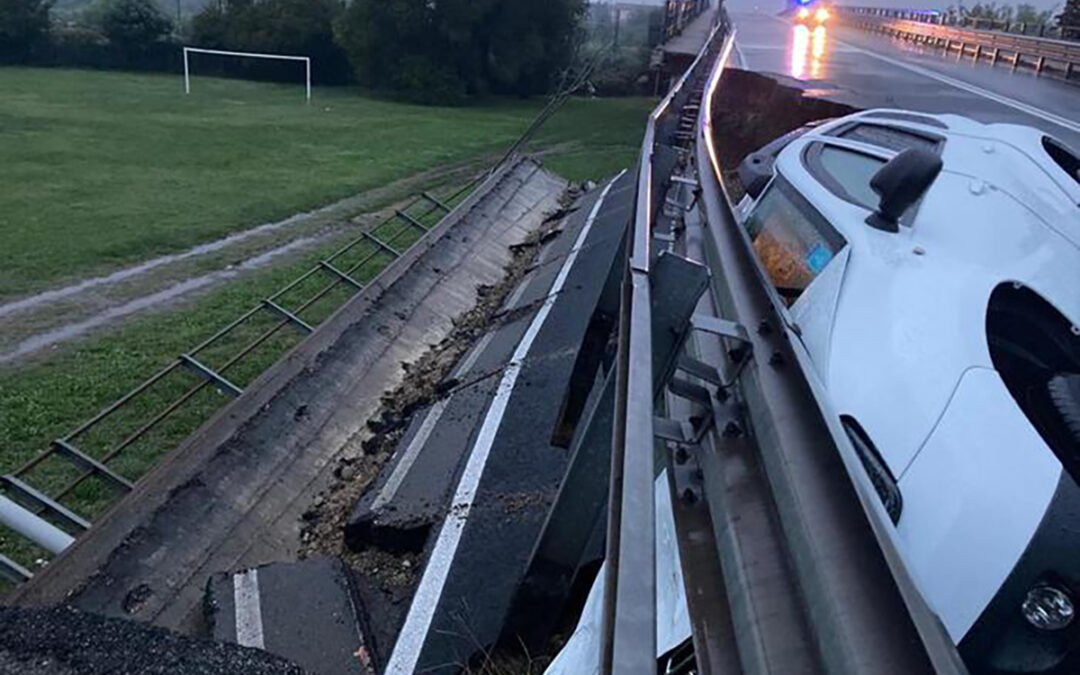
[1044, 56]
[854, 606]
[679, 13]
[629, 618]
[940, 18]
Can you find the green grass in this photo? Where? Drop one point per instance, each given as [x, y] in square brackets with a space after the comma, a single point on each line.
[105, 169]
[102, 169]
[50, 398]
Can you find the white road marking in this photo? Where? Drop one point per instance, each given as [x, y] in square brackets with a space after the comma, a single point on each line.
[411, 639]
[960, 84]
[249, 628]
[743, 63]
[412, 451]
[972, 89]
[431, 418]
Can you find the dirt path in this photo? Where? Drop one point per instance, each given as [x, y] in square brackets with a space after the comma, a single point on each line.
[45, 320]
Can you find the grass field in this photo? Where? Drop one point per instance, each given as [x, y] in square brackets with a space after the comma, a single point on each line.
[101, 169]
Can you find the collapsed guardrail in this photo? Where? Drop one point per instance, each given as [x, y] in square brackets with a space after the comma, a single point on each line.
[851, 605]
[1044, 56]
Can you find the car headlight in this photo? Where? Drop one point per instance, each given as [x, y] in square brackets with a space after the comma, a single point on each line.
[804, 13]
[822, 15]
[1047, 607]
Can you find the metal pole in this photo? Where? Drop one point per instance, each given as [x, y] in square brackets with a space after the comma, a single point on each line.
[187, 73]
[307, 64]
[40, 531]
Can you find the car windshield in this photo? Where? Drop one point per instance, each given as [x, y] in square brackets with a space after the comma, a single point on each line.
[793, 241]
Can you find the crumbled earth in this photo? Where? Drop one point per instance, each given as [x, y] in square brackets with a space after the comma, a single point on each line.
[322, 531]
[63, 641]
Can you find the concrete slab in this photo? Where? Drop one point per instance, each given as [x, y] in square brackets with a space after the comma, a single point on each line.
[232, 496]
[308, 612]
[523, 468]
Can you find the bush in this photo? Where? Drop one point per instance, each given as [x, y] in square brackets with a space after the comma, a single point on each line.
[134, 25]
[426, 49]
[297, 27]
[24, 29]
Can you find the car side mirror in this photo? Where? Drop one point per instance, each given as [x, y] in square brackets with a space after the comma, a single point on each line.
[755, 172]
[900, 183]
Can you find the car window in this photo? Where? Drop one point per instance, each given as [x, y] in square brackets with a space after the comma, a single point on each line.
[852, 170]
[792, 240]
[890, 138]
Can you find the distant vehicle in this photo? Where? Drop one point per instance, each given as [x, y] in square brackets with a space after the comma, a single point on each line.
[811, 15]
[930, 266]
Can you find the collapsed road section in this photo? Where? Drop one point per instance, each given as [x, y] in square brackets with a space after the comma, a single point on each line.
[232, 496]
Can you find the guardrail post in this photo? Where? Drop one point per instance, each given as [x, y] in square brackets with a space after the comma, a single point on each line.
[1039, 66]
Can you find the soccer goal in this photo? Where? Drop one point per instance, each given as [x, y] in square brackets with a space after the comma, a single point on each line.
[280, 57]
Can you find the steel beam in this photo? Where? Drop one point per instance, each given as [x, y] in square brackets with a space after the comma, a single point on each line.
[434, 200]
[286, 314]
[329, 267]
[47, 503]
[76, 456]
[219, 381]
[412, 221]
[13, 571]
[382, 244]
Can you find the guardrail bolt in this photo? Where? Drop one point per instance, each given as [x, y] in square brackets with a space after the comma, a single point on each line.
[737, 354]
[732, 430]
[776, 360]
[764, 328]
[681, 455]
[689, 496]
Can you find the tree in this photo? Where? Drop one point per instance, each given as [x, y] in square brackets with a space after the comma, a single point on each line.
[435, 51]
[24, 27]
[1028, 14]
[1070, 16]
[300, 27]
[134, 25]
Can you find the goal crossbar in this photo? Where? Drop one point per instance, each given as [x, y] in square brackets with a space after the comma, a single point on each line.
[220, 52]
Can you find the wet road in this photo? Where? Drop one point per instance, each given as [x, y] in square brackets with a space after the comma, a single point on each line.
[867, 70]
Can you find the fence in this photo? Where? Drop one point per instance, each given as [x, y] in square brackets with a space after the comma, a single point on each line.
[87, 470]
[939, 18]
[1044, 56]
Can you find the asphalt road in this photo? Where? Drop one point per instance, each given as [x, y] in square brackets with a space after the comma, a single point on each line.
[867, 70]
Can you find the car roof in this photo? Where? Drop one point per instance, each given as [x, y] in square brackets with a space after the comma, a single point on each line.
[907, 311]
[1008, 161]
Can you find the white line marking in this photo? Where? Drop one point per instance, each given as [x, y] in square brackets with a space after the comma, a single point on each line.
[413, 633]
[743, 63]
[408, 458]
[972, 89]
[431, 418]
[249, 628]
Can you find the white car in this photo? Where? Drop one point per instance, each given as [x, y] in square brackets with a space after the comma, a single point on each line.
[939, 302]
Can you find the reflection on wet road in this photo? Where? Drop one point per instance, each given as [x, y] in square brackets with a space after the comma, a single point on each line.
[808, 56]
[868, 71]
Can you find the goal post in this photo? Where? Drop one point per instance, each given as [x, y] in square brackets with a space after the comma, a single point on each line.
[254, 55]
